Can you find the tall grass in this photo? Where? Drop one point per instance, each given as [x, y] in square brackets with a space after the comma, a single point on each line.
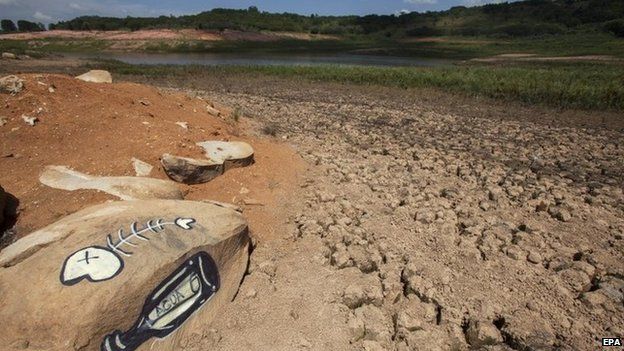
[562, 85]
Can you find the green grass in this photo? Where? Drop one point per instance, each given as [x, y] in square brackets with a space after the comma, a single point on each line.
[446, 48]
[561, 85]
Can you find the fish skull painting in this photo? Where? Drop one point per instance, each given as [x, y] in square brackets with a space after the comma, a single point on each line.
[93, 263]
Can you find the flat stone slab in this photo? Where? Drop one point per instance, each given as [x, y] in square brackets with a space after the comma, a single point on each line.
[132, 275]
[231, 153]
[189, 170]
[220, 156]
[125, 188]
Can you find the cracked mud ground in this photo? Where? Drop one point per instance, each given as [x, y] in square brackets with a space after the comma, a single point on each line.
[429, 222]
[421, 226]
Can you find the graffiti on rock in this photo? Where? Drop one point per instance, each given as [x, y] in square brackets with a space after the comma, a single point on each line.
[97, 263]
[170, 304]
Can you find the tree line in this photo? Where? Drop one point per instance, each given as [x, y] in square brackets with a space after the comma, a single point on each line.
[8, 26]
[514, 19]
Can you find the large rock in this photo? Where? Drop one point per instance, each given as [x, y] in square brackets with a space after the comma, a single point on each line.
[231, 153]
[9, 56]
[125, 188]
[221, 156]
[122, 276]
[11, 84]
[96, 76]
[190, 170]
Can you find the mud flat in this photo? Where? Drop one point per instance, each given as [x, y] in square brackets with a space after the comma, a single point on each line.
[432, 222]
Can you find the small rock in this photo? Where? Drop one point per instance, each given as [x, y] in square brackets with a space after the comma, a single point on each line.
[51, 89]
[252, 202]
[407, 322]
[142, 169]
[534, 257]
[184, 125]
[9, 56]
[514, 252]
[213, 111]
[3, 121]
[425, 216]
[30, 120]
[145, 102]
[96, 76]
[559, 213]
[482, 333]
[11, 84]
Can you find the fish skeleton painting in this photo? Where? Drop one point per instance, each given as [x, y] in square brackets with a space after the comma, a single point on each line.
[99, 263]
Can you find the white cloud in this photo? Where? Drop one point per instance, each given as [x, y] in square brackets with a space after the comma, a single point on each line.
[481, 2]
[41, 16]
[8, 2]
[75, 6]
[421, 2]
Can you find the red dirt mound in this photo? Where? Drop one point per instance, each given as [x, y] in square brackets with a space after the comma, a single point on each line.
[98, 128]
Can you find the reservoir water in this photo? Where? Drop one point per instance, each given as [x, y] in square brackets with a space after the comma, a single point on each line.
[249, 59]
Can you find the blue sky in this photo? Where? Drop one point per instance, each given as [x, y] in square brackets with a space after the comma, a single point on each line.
[47, 11]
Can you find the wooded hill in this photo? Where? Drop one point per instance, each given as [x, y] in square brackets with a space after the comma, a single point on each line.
[523, 18]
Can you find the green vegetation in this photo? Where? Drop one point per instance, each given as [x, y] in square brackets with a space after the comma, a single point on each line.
[455, 48]
[9, 26]
[515, 19]
[562, 85]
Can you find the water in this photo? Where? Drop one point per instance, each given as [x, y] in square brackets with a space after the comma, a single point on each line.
[246, 59]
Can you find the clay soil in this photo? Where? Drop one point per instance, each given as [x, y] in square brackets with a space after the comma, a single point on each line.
[421, 221]
[98, 128]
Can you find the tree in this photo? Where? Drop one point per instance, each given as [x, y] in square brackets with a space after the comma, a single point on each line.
[27, 26]
[616, 27]
[8, 25]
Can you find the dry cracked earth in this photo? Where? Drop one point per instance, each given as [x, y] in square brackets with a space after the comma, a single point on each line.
[423, 228]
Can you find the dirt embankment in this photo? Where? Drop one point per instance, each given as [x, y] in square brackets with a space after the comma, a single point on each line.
[98, 128]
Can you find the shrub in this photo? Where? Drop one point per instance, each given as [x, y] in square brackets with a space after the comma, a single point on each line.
[616, 27]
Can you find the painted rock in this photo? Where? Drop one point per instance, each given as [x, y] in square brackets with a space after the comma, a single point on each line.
[96, 76]
[125, 188]
[136, 275]
[189, 170]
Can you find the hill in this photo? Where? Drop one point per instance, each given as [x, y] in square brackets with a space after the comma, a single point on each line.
[523, 18]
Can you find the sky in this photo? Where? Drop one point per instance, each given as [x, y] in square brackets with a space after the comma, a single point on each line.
[47, 11]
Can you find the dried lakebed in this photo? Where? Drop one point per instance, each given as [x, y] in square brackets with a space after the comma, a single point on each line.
[420, 229]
